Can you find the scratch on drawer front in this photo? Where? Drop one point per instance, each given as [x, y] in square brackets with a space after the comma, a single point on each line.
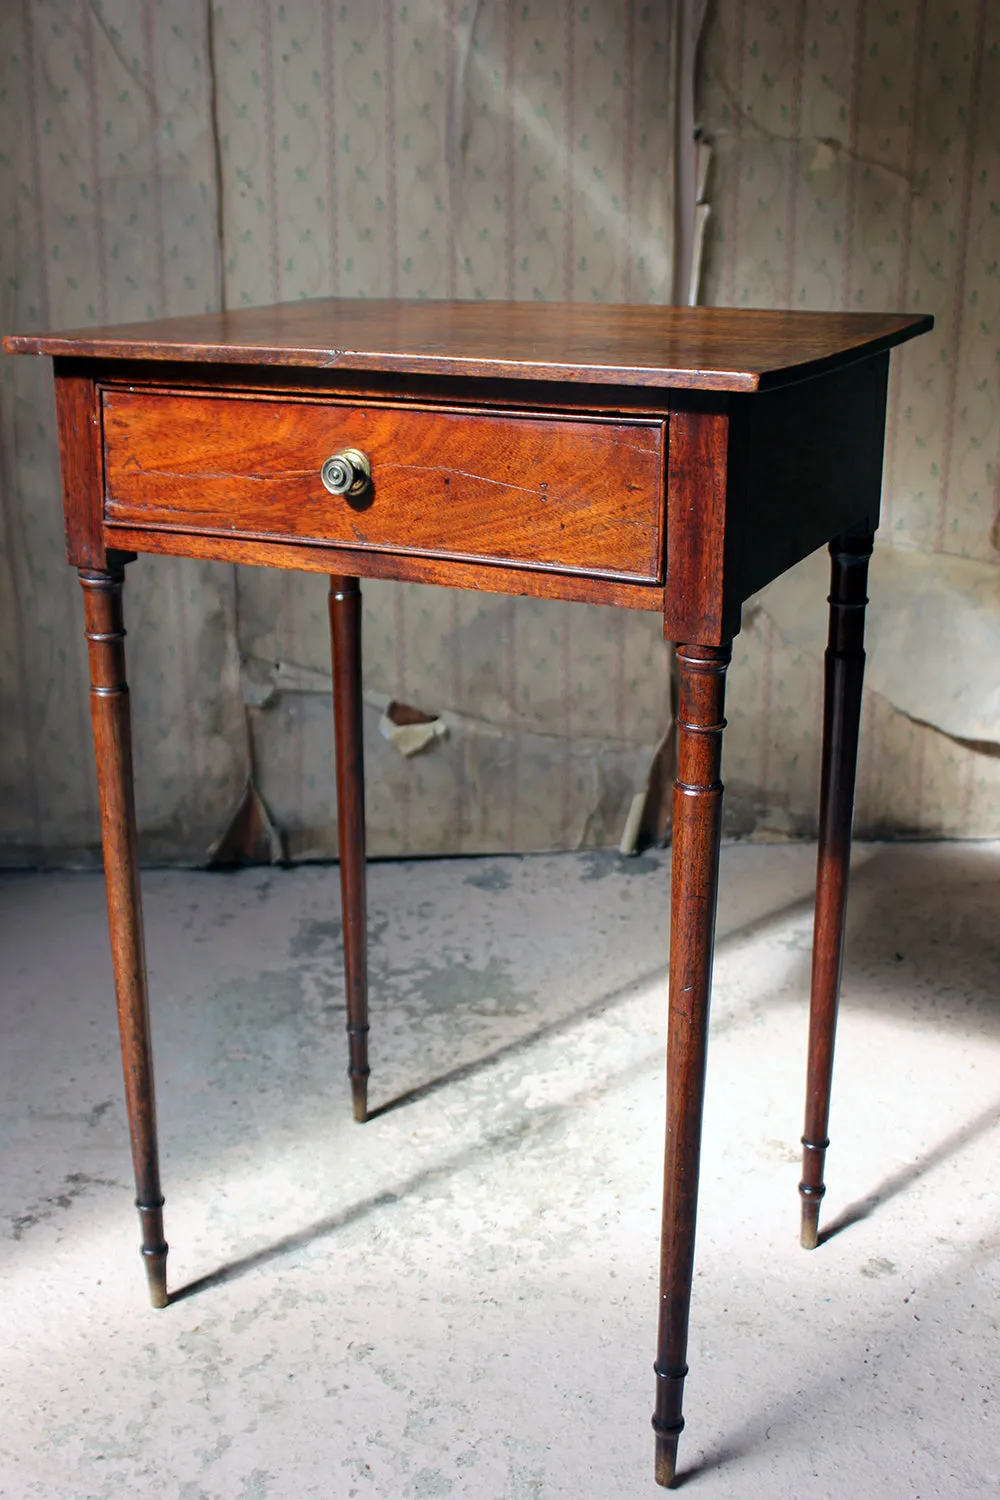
[502, 484]
[276, 478]
[633, 447]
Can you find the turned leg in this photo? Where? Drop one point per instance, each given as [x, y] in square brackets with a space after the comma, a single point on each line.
[109, 706]
[696, 835]
[345, 634]
[844, 668]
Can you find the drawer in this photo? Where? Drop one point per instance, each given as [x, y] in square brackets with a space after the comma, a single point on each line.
[574, 493]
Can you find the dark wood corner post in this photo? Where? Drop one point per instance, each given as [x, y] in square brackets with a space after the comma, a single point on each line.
[844, 669]
[109, 706]
[696, 838]
[345, 636]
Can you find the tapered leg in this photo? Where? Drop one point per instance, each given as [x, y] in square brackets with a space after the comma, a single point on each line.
[844, 668]
[345, 634]
[696, 835]
[109, 706]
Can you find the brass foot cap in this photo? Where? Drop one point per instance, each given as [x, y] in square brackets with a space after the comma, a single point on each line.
[154, 1258]
[158, 1289]
[809, 1234]
[666, 1461]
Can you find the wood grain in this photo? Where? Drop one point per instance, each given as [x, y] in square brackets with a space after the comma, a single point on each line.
[756, 483]
[693, 898]
[78, 419]
[696, 526]
[844, 669]
[571, 493]
[480, 577]
[805, 465]
[109, 704]
[704, 348]
[348, 716]
[385, 387]
[516, 449]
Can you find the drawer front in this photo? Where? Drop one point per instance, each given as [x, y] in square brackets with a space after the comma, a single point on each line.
[578, 494]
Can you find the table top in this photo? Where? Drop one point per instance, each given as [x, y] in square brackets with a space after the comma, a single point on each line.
[695, 348]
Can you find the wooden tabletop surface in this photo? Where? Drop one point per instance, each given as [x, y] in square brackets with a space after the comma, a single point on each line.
[702, 348]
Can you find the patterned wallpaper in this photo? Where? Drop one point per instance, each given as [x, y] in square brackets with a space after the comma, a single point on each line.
[164, 156]
[857, 164]
[107, 186]
[433, 150]
[161, 156]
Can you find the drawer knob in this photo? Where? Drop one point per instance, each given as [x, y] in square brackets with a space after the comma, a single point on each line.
[348, 472]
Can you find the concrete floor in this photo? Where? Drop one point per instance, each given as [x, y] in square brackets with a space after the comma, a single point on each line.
[458, 1299]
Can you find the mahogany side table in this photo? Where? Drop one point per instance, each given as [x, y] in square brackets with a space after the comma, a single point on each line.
[670, 459]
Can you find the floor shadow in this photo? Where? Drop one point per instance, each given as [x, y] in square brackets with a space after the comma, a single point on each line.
[506, 1136]
[332, 1223]
[922, 925]
[934, 891]
[757, 926]
[898, 1182]
[298, 1240]
[925, 917]
[716, 1458]
[514, 1048]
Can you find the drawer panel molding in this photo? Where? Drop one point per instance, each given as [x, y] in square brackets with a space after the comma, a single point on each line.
[572, 493]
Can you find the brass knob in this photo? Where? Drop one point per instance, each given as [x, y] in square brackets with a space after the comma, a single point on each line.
[348, 472]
